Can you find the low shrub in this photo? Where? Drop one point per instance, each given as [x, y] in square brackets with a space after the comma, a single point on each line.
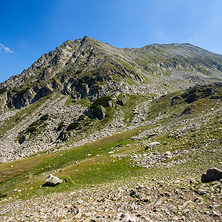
[3, 90]
[60, 126]
[31, 129]
[72, 126]
[101, 101]
[44, 117]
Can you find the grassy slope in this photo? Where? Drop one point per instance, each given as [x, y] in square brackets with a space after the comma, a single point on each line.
[31, 171]
[94, 163]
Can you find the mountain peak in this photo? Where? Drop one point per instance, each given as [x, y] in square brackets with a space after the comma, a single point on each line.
[94, 63]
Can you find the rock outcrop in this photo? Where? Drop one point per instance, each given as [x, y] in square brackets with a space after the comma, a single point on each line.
[101, 112]
[150, 145]
[212, 174]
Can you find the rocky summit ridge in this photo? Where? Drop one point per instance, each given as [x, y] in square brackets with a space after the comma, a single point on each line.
[99, 133]
[87, 67]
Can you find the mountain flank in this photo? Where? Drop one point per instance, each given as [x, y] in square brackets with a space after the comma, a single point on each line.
[98, 133]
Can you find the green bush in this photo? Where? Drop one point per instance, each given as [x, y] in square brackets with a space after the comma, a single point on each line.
[3, 90]
[82, 117]
[72, 126]
[44, 117]
[31, 129]
[60, 126]
[101, 101]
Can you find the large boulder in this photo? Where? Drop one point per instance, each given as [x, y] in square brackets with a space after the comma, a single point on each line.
[212, 175]
[101, 112]
[150, 145]
[23, 138]
[82, 89]
[63, 136]
[52, 181]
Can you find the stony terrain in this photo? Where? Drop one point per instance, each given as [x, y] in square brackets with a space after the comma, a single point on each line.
[163, 200]
[128, 133]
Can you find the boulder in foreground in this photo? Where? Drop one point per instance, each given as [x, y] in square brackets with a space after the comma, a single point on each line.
[212, 174]
[52, 181]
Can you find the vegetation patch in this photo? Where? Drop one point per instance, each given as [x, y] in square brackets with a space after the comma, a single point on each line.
[21, 115]
[103, 101]
[70, 101]
[167, 73]
[31, 129]
[2, 90]
[60, 126]
[72, 126]
[35, 128]
[92, 160]
[44, 117]
[21, 92]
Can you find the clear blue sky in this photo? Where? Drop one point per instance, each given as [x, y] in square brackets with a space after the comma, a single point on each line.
[30, 28]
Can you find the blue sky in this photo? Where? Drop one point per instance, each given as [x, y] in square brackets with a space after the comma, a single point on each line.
[30, 28]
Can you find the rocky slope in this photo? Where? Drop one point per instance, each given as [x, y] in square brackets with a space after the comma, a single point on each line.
[63, 83]
[104, 119]
[150, 173]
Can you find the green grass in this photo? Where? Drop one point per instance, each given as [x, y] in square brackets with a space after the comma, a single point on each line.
[84, 102]
[132, 101]
[159, 106]
[28, 172]
[103, 101]
[174, 104]
[69, 101]
[167, 73]
[102, 168]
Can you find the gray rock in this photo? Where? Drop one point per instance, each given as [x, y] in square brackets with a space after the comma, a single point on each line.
[150, 145]
[201, 192]
[63, 136]
[52, 181]
[23, 138]
[110, 103]
[211, 175]
[168, 154]
[74, 210]
[101, 113]
[122, 101]
[127, 217]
